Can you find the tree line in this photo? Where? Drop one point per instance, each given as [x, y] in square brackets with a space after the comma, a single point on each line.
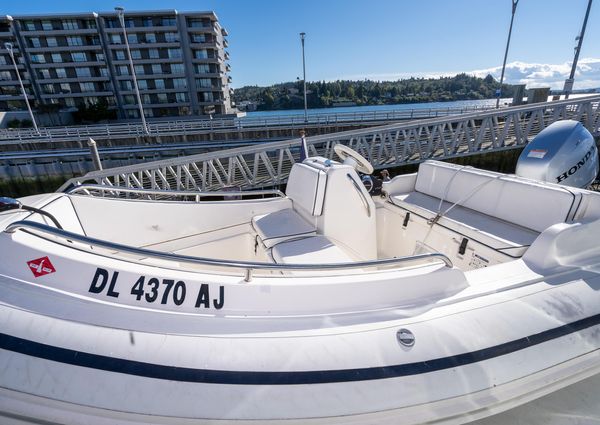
[322, 94]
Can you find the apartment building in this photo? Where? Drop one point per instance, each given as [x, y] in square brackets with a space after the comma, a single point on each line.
[70, 60]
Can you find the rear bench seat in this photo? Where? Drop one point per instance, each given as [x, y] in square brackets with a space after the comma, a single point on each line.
[290, 235]
[503, 212]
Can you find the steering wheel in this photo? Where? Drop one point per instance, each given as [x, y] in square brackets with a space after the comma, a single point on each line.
[351, 157]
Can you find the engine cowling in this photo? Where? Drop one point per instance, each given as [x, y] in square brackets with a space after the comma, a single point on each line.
[565, 153]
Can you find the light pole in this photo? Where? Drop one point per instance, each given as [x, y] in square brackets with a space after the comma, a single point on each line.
[512, 18]
[569, 81]
[11, 53]
[121, 15]
[302, 36]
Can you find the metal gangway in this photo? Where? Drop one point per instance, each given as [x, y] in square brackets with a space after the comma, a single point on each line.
[267, 165]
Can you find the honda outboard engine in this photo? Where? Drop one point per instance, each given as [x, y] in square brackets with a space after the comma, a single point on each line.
[565, 153]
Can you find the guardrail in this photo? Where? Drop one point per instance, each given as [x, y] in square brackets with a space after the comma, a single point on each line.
[268, 164]
[17, 137]
[248, 266]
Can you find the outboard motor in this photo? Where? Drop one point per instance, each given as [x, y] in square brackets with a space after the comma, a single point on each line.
[565, 153]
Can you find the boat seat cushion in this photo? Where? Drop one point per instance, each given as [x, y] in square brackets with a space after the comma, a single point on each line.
[314, 250]
[524, 202]
[306, 189]
[282, 225]
[498, 234]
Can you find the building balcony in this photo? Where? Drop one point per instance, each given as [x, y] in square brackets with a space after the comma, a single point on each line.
[207, 45]
[158, 45]
[16, 97]
[156, 105]
[72, 80]
[55, 49]
[66, 64]
[155, 91]
[146, 61]
[119, 30]
[52, 33]
[165, 75]
[80, 94]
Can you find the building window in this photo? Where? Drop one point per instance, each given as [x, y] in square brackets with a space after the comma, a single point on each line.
[83, 72]
[69, 101]
[29, 25]
[79, 57]
[91, 23]
[150, 37]
[174, 53]
[61, 73]
[129, 22]
[38, 59]
[132, 113]
[70, 24]
[44, 73]
[162, 98]
[146, 98]
[115, 39]
[139, 70]
[48, 88]
[168, 22]
[136, 54]
[103, 71]
[181, 97]
[202, 68]
[56, 58]
[65, 88]
[196, 23]
[47, 25]
[74, 41]
[157, 68]
[171, 37]
[179, 83]
[3, 60]
[132, 38]
[100, 57]
[143, 84]
[120, 55]
[201, 54]
[91, 100]
[159, 84]
[87, 87]
[126, 85]
[51, 42]
[177, 68]
[206, 96]
[198, 38]
[129, 99]
[153, 53]
[203, 82]
[35, 42]
[123, 70]
[147, 22]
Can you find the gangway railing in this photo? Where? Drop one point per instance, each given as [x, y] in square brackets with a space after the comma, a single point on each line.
[267, 165]
[17, 138]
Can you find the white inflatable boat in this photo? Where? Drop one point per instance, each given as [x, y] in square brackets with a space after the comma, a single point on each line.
[454, 295]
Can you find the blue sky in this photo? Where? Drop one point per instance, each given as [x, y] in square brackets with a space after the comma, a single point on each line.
[386, 39]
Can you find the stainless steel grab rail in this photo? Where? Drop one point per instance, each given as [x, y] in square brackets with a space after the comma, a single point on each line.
[363, 198]
[248, 266]
[224, 193]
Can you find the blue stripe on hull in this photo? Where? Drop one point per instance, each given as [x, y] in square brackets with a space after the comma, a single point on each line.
[173, 373]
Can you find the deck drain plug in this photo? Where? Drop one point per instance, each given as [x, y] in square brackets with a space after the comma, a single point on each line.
[405, 337]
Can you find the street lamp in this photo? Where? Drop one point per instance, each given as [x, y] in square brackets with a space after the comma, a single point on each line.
[302, 36]
[568, 87]
[9, 47]
[121, 14]
[512, 18]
